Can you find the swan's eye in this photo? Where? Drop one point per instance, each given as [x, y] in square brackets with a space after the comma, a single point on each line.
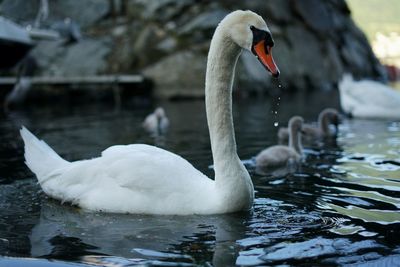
[252, 27]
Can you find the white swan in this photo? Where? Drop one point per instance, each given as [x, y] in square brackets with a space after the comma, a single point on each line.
[149, 180]
[156, 122]
[280, 155]
[368, 99]
[312, 133]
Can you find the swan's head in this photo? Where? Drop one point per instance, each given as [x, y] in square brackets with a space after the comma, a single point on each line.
[331, 115]
[346, 83]
[159, 112]
[296, 124]
[250, 32]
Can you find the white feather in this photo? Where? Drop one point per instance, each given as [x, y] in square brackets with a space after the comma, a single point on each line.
[369, 99]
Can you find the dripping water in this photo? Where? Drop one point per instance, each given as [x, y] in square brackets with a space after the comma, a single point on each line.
[275, 107]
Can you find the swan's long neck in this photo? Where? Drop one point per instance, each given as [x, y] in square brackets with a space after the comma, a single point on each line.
[295, 140]
[230, 173]
[323, 123]
[221, 64]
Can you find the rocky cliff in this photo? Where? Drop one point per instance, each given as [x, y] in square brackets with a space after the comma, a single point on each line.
[167, 40]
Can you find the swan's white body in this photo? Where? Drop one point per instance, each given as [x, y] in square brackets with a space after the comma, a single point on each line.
[133, 178]
[149, 180]
[369, 99]
[156, 122]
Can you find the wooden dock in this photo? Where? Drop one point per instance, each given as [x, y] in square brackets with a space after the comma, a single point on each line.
[113, 82]
[79, 80]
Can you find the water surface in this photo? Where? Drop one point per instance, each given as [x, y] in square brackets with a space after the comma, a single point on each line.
[341, 207]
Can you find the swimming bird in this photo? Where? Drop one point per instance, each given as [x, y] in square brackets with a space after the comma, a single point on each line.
[69, 30]
[156, 122]
[312, 133]
[23, 84]
[368, 99]
[280, 155]
[144, 179]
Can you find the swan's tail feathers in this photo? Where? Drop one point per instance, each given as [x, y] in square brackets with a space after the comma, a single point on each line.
[39, 157]
[346, 82]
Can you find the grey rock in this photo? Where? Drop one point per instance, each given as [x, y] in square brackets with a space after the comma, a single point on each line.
[144, 48]
[85, 13]
[168, 45]
[354, 54]
[332, 62]
[283, 54]
[277, 12]
[161, 10]
[93, 51]
[179, 75]
[315, 13]
[305, 55]
[341, 6]
[94, 10]
[46, 52]
[19, 10]
[316, 42]
[88, 57]
[205, 21]
[251, 75]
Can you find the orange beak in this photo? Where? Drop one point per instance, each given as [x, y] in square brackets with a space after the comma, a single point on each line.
[264, 55]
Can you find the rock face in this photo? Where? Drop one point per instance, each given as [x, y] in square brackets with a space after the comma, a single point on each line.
[167, 40]
[87, 57]
[85, 13]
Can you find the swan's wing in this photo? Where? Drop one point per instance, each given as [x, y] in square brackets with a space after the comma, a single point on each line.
[376, 94]
[130, 170]
[147, 167]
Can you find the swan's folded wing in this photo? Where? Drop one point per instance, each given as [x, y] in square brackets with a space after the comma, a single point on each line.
[144, 167]
[377, 94]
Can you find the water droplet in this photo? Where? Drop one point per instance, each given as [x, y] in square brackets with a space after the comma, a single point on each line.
[280, 85]
[276, 124]
[276, 112]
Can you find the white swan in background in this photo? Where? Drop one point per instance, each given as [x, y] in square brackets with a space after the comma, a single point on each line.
[368, 99]
[312, 133]
[280, 155]
[148, 180]
[156, 122]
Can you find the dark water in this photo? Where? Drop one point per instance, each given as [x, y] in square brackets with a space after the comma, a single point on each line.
[341, 208]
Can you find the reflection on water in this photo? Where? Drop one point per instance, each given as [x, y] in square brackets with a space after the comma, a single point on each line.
[369, 184]
[341, 207]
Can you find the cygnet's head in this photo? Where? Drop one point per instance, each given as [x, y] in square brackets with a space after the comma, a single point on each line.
[159, 112]
[296, 124]
[331, 115]
[250, 32]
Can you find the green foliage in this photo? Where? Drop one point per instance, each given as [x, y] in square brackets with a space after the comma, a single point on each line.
[376, 16]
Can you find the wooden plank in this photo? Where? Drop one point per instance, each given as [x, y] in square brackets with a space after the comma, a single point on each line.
[40, 34]
[98, 79]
